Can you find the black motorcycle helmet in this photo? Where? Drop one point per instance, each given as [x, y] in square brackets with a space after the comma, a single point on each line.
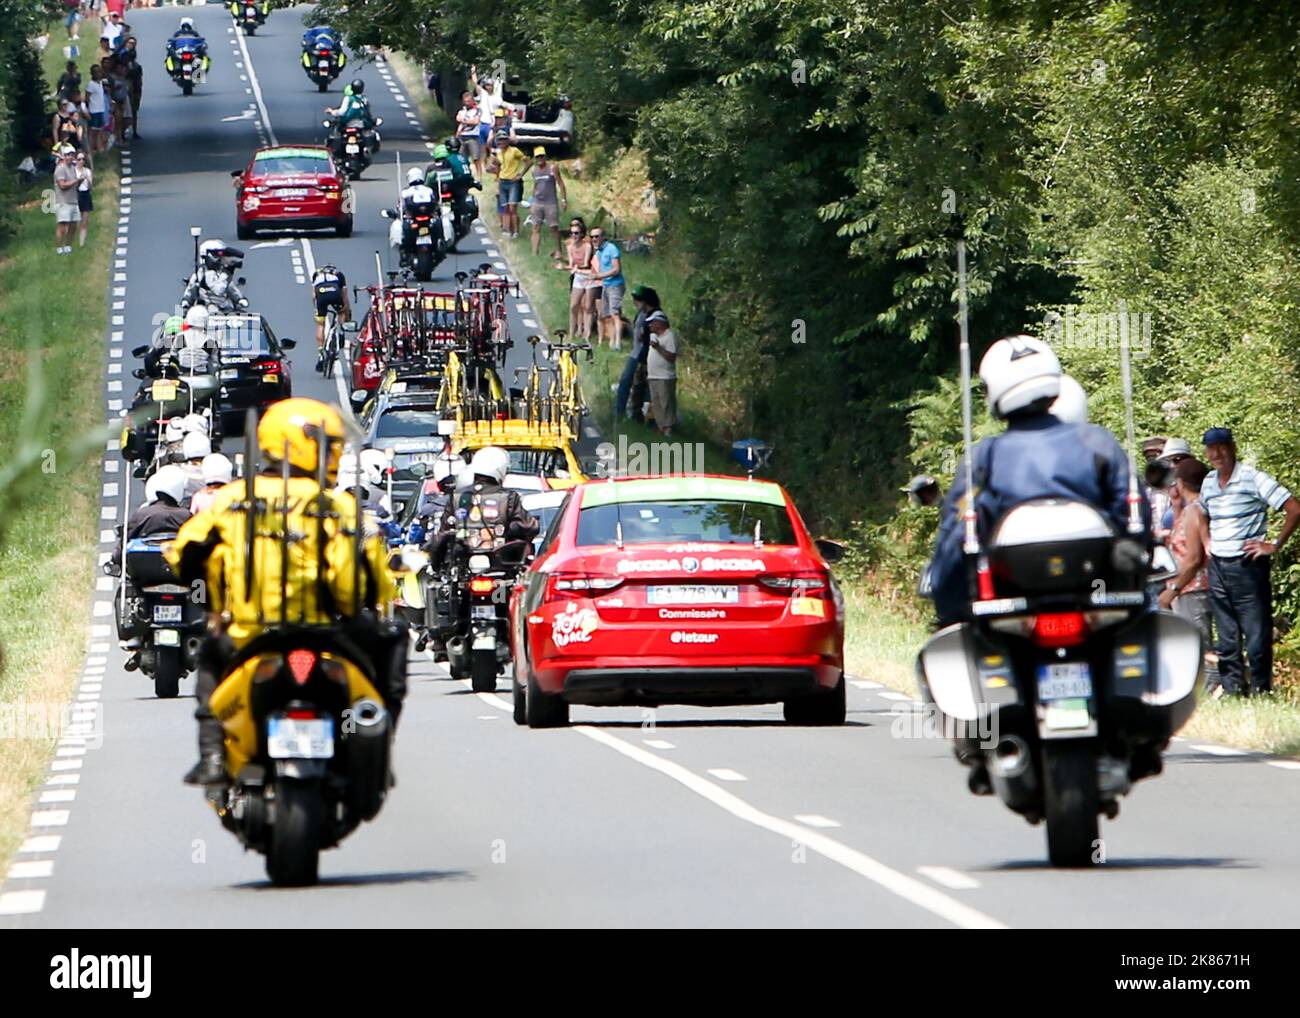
[358, 86]
[453, 144]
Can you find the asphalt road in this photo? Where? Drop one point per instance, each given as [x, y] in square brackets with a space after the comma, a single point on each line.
[674, 817]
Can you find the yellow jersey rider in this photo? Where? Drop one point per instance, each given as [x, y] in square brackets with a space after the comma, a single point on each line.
[307, 580]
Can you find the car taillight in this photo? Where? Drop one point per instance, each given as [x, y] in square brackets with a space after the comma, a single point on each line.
[481, 585]
[301, 662]
[1060, 629]
[577, 585]
[795, 583]
[266, 364]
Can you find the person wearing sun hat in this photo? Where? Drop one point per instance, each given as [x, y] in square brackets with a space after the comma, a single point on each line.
[548, 196]
[1236, 498]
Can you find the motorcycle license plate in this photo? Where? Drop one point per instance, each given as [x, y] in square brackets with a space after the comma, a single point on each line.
[1068, 680]
[424, 239]
[167, 638]
[300, 738]
[291, 192]
[483, 611]
[324, 65]
[168, 612]
[353, 148]
[693, 595]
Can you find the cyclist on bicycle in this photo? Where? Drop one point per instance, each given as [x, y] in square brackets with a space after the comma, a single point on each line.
[329, 289]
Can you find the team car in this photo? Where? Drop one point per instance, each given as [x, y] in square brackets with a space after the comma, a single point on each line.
[694, 589]
[292, 186]
[541, 457]
[404, 426]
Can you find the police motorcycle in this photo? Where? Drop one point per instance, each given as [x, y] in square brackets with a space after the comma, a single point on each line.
[187, 61]
[1063, 684]
[322, 57]
[249, 15]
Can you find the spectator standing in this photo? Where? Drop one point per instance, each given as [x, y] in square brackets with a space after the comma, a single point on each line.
[69, 81]
[488, 101]
[1236, 498]
[467, 133]
[85, 203]
[646, 300]
[97, 104]
[1188, 593]
[66, 212]
[1152, 448]
[579, 266]
[112, 31]
[661, 372]
[548, 196]
[119, 90]
[607, 270]
[73, 21]
[128, 57]
[510, 182]
[66, 127]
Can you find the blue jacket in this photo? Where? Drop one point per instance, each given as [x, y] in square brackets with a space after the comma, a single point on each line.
[1036, 457]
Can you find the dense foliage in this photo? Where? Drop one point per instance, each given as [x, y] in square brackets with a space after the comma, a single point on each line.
[818, 159]
[22, 104]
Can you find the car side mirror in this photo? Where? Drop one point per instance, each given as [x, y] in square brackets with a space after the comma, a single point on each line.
[288, 344]
[447, 427]
[236, 173]
[139, 351]
[831, 551]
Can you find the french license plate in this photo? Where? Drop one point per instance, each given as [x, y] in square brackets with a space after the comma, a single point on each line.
[1069, 680]
[699, 594]
[300, 738]
[353, 148]
[324, 65]
[483, 611]
[425, 239]
[422, 457]
[229, 374]
[167, 612]
[167, 638]
[291, 192]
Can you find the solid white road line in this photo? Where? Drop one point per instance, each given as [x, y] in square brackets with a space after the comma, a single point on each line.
[1219, 750]
[900, 884]
[658, 744]
[1286, 765]
[727, 774]
[816, 820]
[949, 877]
[257, 89]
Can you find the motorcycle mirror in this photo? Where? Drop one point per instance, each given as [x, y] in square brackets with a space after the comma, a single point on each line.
[386, 213]
[138, 373]
[831, 551]
[139, 351]
[513, 553]
[325, 123]
[378, 121]
[241, 281]
[288, 344]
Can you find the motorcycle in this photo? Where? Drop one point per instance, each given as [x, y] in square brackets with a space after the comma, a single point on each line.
[249, 16]
[185, 63]
[307, 737]
[169, 621]
[470, 611]
[322, 64]
[353, 146]
[1064, 685]
[464, 211]
[420, 236]
[185, 402]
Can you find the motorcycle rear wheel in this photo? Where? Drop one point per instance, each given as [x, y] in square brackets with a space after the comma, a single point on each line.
[1070, 803]
[168, 670]
[422, 266]
[293, 855]
[187, 87]
[483, 671]
[323, 85]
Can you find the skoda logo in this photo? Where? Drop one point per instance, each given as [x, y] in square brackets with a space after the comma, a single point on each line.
[690, 564]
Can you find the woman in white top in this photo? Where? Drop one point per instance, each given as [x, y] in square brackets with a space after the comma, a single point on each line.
[97, 104]
[84, 201]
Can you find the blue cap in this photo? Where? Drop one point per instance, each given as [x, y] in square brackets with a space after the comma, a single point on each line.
[1217, 436]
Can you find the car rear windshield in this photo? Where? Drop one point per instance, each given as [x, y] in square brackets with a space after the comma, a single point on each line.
[244, 337]
[292, 163]
[536, 461]
[707, 520]
[408, 423]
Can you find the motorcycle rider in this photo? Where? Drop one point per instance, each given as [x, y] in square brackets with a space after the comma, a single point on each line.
[1038, 456]
[319, 584]
[161, 345]
[417, 196]
[329, 289]
[373, 466]
[163, 512]
[484, 514]
[198, 352]
[195, 448]
[322, 35]
[462, 178]
[216, 471]
[355, 106]
[263, 10]
[213, 282]
[433, 501]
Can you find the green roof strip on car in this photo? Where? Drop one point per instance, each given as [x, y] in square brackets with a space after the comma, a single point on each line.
[681, 489]
[283, 153]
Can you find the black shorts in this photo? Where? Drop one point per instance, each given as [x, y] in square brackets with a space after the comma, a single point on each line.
[328, 297]
[85, 202]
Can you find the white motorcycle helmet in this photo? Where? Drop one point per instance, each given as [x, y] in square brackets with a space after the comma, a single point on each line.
[151, 489]
[170, 481]
[447, 466]
[1018, 371]
[196, 319]
[1071, 405]
[374, 465]
[415, 175]
[195, 446]
[217, 469]
[175, 430]
[490, 462]
[187, 23]
[195, 423]
[347, 475]
[210, 252]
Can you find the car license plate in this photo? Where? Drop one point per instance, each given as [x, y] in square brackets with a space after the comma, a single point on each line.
[1069, 680]
[167, 612]
[300, 738]
[700, 594]
[422, 457]
[483, 611]
[167, 638]
[291, 192]
[229, 374]
[271, 378]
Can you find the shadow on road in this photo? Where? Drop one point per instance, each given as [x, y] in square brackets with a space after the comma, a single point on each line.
[714, 723]
[1152, 863]
[366, 880]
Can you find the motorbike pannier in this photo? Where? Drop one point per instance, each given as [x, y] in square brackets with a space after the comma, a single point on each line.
[145, 564]
[1051, 546]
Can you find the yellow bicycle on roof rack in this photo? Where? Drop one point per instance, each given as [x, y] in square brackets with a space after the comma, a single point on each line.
[562, 403]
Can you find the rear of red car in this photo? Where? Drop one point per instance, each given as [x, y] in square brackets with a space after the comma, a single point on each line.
[680, 590]
[297, 187]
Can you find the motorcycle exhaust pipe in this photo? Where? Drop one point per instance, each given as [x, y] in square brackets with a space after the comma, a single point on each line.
[1011, 769]
[366, 737]
[458, 653]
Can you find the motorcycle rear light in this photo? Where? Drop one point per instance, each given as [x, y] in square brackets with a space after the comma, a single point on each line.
[300, 713]
[187, 56]
[1060, 629]
[300, 664]
[481, 585]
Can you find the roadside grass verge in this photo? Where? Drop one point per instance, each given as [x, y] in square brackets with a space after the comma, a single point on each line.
[53, 311]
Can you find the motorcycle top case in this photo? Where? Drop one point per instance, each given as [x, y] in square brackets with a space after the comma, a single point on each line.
[144, 560]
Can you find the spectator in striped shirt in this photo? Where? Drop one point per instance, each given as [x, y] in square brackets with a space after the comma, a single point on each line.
[1236, 498]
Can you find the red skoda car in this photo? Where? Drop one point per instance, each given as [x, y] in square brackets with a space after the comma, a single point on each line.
[292, 187]
[696, 589]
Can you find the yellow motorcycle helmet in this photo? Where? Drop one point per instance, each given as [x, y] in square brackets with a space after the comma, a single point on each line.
[300, 422]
